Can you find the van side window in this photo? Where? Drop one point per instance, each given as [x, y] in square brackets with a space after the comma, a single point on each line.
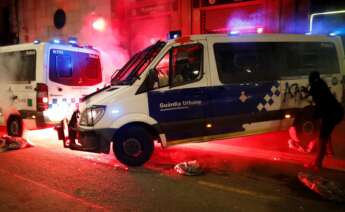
[246, 62]
[18, 65]
[162, 71]
[304, 57]
[266, 61]
[186, 64]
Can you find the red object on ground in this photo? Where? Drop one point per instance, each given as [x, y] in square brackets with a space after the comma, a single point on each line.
[324, 187]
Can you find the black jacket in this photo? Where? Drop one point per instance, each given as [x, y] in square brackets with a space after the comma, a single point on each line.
[326, 104]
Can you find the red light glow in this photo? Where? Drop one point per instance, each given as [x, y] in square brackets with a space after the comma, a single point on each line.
[99, 24]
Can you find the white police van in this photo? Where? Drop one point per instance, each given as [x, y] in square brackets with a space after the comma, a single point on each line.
[206, 87]
[43, 82]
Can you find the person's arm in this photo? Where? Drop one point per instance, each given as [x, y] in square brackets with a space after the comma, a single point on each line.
[314, 92]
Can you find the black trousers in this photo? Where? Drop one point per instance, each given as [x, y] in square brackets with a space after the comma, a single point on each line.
[327, 126]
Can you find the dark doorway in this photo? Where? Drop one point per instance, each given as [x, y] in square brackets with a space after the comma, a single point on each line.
[5, 26]
[7, 35]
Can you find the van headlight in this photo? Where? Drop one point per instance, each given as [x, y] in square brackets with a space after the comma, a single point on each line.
[90, 116]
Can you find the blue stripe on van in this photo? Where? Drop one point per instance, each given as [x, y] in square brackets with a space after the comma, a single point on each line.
[188, 110]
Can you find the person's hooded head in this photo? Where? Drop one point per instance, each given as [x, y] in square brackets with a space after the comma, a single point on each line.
[314, 77]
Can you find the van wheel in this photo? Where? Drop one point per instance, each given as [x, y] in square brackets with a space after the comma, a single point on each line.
[15, 126]
[133, 146]
[307, 127]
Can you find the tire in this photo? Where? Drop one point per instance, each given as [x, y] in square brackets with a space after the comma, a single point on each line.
[307, 126]
[15, 126]
[133, 146]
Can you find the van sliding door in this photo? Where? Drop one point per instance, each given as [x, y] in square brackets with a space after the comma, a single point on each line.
[249, 92]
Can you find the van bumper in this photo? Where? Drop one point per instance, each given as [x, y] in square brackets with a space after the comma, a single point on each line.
[36, 120]
[89, 140]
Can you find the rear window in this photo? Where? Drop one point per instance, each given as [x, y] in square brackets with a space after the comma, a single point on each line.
[265, 61]
[74, 68]
[18, 66]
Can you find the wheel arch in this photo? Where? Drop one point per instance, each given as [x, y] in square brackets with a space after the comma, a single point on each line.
[138, 119]
[149, 128]
[306, 125]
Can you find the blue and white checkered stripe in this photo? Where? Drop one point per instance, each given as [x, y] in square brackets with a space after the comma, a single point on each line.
[271, 101]
[70, 102]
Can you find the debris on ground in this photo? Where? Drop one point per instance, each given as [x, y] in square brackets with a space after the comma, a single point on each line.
[295, 145]
[294, 142]
[189, 168]
[324, 187]
[8, 143]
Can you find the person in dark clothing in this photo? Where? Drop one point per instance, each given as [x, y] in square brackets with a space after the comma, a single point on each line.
[328, 109]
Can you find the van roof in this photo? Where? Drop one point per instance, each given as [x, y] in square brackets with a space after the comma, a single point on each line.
[22, 46]
[264, 36]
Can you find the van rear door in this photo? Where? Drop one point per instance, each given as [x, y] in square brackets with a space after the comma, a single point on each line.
[73, 73]
[248, 89]
[18, 71]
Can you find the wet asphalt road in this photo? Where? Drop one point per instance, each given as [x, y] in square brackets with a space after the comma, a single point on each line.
[238, 177]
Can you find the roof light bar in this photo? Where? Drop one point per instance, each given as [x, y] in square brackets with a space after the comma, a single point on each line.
[73, 41]
[57, 41]
[234, 32]
[174, 34]
[246, 30]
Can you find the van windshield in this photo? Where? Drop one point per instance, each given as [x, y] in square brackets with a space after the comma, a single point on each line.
[136, 65]
[74, 68]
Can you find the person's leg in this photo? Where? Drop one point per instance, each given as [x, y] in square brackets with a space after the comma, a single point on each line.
[321, 151]
[327, 127]
[337, 119]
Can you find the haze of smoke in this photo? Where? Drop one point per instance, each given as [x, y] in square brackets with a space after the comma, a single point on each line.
[243, 20]
[113, 41]
[113, 56]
